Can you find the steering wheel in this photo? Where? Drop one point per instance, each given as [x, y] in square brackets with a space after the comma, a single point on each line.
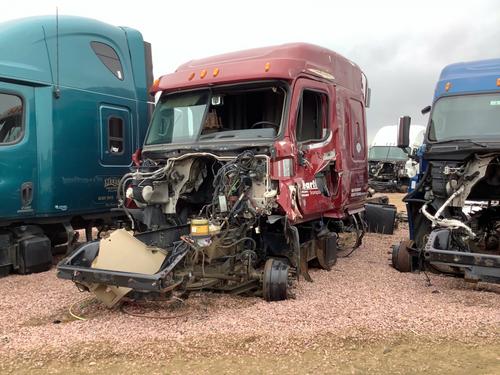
[264, 123]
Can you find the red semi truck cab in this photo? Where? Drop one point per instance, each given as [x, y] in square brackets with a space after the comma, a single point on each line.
[318, 151]
[254, 167]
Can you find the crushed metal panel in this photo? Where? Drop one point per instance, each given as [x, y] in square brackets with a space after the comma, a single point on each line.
[121, 251]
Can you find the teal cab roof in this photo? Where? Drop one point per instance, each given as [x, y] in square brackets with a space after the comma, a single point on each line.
[29, 49]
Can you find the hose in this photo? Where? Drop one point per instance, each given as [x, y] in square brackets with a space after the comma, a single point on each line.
[448, 201]
[254, 244]
[447, 223]
[70, 310]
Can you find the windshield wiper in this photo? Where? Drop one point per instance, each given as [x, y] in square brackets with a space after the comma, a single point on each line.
[460, 140]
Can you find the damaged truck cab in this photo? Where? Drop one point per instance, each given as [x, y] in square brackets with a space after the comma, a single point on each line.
[254, 164]
[390, 168]
[454, 211]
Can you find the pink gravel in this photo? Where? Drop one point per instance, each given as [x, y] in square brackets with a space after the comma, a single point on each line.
[362, 297]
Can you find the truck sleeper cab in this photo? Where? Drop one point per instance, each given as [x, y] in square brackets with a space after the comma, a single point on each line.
[253, 166]
[391, 168]
[454, 211]
[73, 107]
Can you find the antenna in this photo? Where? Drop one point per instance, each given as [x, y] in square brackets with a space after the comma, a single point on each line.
[57, 91]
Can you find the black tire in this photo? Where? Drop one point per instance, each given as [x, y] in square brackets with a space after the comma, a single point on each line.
[275, 280]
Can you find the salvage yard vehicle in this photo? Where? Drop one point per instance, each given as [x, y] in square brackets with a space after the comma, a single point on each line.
[74, 105]
[254, 166]
[454, 211]
[390, 168]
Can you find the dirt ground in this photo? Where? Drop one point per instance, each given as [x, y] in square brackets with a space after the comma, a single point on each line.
[361, 317]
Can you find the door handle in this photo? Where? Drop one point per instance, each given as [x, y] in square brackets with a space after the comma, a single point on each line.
[26, 193]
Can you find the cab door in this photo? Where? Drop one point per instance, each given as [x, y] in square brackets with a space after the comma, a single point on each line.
[116, 136]
[18, 151]
[358, 172]
[314, 140]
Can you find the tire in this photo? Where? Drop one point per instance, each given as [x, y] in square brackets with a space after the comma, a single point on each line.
[275, 280]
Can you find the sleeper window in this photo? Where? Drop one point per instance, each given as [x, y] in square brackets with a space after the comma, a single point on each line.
[11, 118]
[115, 135]
[109, 58]
[311, 119]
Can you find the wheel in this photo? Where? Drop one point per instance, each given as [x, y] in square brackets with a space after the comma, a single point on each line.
[275, 280]
[401, 257]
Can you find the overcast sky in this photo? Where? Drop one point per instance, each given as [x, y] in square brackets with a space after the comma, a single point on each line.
[400, 45]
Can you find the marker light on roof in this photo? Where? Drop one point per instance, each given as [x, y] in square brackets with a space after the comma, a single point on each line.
[155, 85]
[498, 81]
[447, 86]
[191, 76]
[203, 73]
[267, 67]
[215, 72]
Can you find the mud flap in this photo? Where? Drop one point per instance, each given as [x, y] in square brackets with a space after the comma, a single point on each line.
[300, 259]
[304, 269]
[326, 251]
[380, 218]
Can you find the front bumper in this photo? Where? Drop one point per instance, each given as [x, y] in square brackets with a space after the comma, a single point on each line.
[78, 266]
[475, 266]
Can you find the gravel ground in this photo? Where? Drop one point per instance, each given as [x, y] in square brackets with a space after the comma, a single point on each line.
[362, 299]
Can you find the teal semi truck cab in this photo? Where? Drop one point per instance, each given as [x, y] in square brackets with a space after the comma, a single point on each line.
[454, 208]
[74, 106]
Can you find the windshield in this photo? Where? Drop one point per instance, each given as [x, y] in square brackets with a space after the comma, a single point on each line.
[386, 153]
[224, 114]
[177, 118]
[466, 117]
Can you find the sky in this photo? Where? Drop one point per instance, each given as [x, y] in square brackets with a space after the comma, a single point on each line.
[400, 45]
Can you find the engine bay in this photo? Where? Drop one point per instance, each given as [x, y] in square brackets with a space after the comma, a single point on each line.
[206, 222]
[462, 208]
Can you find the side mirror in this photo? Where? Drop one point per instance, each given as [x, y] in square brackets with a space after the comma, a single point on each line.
[404, 132]
[426, 110]
[368, 98]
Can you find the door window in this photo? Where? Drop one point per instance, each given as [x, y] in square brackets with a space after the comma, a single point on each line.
[312, 117]
[11, 118]
[115, 135]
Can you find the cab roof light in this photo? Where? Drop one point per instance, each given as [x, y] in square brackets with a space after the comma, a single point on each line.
[216, 71]
[154, 86]
[498, 82]
[267, 66]
[447, 87]
[191, 76]
[203, 73]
